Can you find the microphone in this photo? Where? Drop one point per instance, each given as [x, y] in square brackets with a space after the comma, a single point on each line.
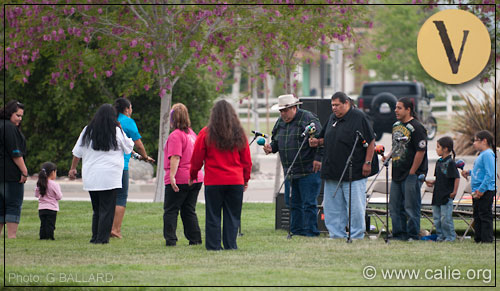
[379, 149]
[403, 138]
[460, 164]
[421, 178]
[363, 141]
[260, 134]
[261, 141]
[311, 128]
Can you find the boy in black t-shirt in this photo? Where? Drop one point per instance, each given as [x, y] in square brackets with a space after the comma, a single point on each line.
[409, 160]
[445, 190]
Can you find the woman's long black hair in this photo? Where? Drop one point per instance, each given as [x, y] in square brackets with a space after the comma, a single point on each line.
[224, 128]
[43, 177]
[101, 131]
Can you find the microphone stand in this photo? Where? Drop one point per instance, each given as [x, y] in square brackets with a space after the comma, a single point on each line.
[348, 165]
[289, 176]
[386, 165]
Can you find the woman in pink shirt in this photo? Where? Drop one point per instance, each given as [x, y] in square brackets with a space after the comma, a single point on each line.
[48, 193]
[178, 194]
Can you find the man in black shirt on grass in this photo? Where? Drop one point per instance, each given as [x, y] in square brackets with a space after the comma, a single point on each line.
[338, 137]
[409, 160]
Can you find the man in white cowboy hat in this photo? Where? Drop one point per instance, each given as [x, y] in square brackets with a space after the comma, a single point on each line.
[304, 176]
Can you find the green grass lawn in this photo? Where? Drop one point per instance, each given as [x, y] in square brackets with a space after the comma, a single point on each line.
[265, 256]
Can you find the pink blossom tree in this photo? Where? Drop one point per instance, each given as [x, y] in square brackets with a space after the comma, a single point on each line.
[99, 38]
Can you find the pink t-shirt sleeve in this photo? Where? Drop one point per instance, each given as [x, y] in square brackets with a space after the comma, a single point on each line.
[174, 144]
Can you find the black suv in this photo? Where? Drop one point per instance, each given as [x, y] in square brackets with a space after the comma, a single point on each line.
[378, 101]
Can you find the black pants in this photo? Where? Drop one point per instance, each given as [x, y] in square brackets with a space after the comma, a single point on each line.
[229, 199]
[103, 206]
[47, 223]
[185, 202]
[483, 217]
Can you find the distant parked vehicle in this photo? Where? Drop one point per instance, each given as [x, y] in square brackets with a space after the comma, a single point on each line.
[378, 101]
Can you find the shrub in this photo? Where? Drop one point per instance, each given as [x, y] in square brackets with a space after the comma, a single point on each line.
[478, 114]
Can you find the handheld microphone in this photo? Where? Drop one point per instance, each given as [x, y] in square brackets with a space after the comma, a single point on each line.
[402, 138]
[363, 141]
[260, 134]
[460, 164]
[311, 128]
[379, 149]
[261, 141]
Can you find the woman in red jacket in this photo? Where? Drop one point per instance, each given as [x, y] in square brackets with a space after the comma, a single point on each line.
[223, 147]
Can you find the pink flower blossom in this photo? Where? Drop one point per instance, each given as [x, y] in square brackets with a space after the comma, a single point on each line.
[146, 87]
[124, 58]
[109, 73]
[99, 10]
[133, 43]
[163, 92]
[379, 56]
[27, 73]
[71, 85]
[25, 80]
[86, 39]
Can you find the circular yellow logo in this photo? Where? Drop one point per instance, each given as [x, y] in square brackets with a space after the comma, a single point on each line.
[453, 46]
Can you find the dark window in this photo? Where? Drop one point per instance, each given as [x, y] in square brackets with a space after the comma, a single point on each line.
[328, 75]
[398, 90]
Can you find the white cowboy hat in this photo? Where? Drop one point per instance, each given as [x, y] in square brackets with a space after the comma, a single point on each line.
[285, 101]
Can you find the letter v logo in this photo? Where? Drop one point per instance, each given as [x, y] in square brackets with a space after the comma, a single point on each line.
[454, 63]
[455, 31]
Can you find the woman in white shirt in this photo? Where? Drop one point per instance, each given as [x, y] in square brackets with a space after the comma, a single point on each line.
[101, 146]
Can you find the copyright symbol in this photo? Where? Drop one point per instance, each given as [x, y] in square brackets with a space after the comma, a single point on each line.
[369, 272]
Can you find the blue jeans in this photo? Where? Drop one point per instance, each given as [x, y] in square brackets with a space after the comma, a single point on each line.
[443, 220]
[287, 192]
[304, 205]
[13, 194]
[404, 206]
[337, 209]
[122, 193]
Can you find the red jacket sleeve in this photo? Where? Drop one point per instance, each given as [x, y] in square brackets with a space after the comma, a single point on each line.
[198, 157]
[246, 162]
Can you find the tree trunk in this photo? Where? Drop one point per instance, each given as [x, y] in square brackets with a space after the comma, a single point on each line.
[164, 130]
[255, 113]
[288, 90]
[235, 90]
[163, 135]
